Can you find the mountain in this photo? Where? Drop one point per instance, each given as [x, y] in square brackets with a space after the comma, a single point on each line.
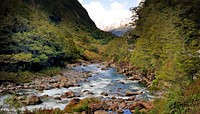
[41, 33]
[119, 29]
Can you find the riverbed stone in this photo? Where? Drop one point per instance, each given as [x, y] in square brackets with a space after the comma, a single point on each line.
[88, 92]
[114, 107]
[44, 96]
[69, 94]
[95, 106]
[120, 111]
[100, 112]
[104, 93]
[129, 93]
[104, 68]
[57, 98]
[113, 97]
[131, 98]
[104, 105]
[55, 85]
[123, 105]
[33, 100]
[63, 84]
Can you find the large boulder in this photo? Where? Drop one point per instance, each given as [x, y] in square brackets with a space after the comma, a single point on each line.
[33, 100]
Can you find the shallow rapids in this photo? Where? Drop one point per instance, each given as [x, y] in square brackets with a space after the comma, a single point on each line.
[106, 81]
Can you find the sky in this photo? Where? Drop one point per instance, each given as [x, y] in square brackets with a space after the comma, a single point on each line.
[108, 12]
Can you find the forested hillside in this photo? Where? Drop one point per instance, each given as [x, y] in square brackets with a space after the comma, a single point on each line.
[41, 33]
[166, 42]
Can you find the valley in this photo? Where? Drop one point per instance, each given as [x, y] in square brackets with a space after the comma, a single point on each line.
[54, 59]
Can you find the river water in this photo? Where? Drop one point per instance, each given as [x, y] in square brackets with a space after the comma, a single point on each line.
[108, 81]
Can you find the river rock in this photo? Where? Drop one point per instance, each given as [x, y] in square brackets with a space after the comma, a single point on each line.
[104, 93]
[131, 98]
[87, 92]
[104, 68]
[69, 94]
[33, 100]
[57, 98]
[121, 82]
[139, 105]
[63, 84]
[55, 85]
[62, 78]
[95, 106]
[113, 97]
[32, 86]
[123, 105]
[104, 105]
[132, 78]
[120, 111]
[114, 107]
[100, 112]
[130, 93]
[44, 96]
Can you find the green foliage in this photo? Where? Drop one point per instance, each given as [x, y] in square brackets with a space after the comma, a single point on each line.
[47, 33]
[51, 71]
[117, 50]
[19, 77]
[167, 43]
[180, 101]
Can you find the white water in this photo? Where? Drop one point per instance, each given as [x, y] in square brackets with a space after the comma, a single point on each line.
[108, 81]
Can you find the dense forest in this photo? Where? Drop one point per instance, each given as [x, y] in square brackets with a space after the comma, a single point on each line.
[166, 42]
[39, 34]
[42, 36]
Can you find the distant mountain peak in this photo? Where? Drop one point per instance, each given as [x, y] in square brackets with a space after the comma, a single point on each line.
[119, 29]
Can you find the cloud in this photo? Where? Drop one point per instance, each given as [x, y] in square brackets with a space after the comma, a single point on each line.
[140, 1]
[106, 17]
[116, 6]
